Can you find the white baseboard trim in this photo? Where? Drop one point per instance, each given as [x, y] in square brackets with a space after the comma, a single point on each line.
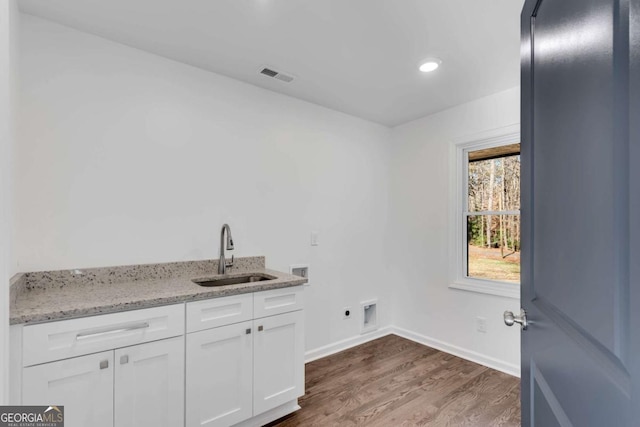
[464, 353]
[270, 416]
[345, 344]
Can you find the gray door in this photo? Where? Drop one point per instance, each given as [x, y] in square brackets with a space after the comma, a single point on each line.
[581, 213]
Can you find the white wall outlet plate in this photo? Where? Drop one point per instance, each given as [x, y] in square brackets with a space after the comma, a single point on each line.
[481, 324]
[314, 238]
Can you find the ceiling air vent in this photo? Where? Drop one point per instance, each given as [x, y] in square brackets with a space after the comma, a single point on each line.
[277, 75]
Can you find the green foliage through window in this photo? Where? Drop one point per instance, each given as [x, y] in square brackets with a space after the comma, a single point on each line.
[493, 218]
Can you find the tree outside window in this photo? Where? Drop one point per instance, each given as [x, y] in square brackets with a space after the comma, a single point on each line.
[492, 214]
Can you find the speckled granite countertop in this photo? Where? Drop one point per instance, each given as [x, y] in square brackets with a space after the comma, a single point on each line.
[56, 295]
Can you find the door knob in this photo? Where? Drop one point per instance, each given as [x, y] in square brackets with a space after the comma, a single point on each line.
[510, 319]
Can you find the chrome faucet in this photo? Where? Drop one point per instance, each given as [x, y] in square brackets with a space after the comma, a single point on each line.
[222, 263]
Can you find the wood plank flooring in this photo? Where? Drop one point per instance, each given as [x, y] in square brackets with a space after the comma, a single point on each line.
[396, 382]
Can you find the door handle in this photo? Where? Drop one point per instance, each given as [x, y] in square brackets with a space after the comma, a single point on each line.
[510, 319]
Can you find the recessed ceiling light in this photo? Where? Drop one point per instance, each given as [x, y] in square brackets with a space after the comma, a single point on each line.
[429, 65]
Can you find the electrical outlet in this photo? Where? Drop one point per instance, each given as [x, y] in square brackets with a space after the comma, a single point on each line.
[481, 324]
[347, 312]
[314, 238]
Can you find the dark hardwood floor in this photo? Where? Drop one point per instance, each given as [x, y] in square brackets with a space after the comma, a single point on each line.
[395, 382]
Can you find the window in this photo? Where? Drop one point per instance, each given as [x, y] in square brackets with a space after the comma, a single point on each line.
[487, 212]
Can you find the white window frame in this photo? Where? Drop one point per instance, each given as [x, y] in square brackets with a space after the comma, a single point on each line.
[459, 200]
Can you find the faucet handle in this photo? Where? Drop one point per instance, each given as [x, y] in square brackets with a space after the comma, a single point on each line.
[230, 264]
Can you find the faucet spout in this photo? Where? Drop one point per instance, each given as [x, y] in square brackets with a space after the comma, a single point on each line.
[222, 263]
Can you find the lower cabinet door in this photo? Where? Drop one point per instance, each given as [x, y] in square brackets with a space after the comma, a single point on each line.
[278, 360]
[219, 375]
[83, 385]
[149, 384]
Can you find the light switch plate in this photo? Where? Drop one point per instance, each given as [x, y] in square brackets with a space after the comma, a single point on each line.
[314, 238]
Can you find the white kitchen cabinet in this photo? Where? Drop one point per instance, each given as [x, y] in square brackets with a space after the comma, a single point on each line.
[48, 342]
[278, 360]
[220, 376]
[135, 380]
[211, 313]
[249, 372]
[84, 385]
[277, 301]
[236, 360]
[149, 384]
[138, 386]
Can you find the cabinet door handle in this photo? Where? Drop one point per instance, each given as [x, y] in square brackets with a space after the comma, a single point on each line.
[109, 331]
[124, 359]
[260, 328]
[248, 331]
[104, 364]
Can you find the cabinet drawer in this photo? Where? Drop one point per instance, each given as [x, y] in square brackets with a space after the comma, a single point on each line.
[69, 338]
[216, 312]
[277, 301]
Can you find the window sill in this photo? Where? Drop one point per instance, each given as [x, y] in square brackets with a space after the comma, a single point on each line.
[508, 290]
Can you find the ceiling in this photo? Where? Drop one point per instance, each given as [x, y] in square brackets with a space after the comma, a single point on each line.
[360, 57]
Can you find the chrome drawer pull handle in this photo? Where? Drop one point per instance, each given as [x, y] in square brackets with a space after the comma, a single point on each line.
[109, 331]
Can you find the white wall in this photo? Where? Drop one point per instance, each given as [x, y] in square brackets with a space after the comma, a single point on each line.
[14, 91]
[126, 158]
[8, 102]
[421, 221]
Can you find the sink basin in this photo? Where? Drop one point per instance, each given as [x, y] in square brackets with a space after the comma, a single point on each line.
[233, 280]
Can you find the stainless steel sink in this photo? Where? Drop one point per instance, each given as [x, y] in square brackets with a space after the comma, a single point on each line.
[233, 280]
